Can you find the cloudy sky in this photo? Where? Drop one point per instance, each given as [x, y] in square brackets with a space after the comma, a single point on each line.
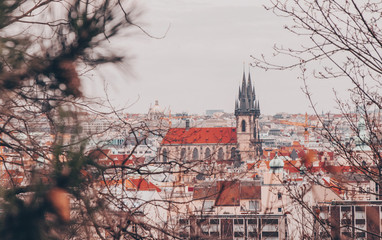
[198, 63]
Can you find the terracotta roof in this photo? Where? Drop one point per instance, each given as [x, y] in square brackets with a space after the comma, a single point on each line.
[250, 190]
[228, 193]
[99, 153]
[138, 184]
[205, 193]
[141, 184]
[223, 135]
[334, 185]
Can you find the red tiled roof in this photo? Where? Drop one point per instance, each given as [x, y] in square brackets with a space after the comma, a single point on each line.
[334, 185]
[99, 153]
[223, 135]
[228, 193]
[141, 184]
[138, 184]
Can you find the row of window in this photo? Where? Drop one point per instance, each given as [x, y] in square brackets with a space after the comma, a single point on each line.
[237, 228]
[196, 156]
[253, 205]
[352, 220]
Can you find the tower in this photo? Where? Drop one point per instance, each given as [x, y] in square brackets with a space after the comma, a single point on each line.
[247, 112]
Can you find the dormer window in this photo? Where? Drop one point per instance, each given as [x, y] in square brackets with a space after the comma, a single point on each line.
[208, 205]
[254, 205]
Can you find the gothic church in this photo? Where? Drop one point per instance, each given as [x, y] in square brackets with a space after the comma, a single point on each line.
[219, 144]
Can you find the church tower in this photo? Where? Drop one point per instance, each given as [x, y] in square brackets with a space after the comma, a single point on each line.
[247, 112]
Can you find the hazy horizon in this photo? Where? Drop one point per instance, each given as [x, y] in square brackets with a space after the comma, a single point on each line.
[198, 64]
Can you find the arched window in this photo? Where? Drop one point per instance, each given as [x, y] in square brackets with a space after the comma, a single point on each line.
[254, 132]
[183, 154]
[233, 153]
[243, 126]
[220, 154]
[164, 155]
[195, 154]
[207, 153]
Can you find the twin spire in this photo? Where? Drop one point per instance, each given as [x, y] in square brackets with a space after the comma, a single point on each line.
[246, 102]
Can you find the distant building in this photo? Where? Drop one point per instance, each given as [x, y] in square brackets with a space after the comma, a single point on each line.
[349, 220]
[231, 210]
[155, 112]
[211, 112]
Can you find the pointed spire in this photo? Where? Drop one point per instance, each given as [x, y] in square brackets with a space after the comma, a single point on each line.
[246, 100]
[249, 91]
[245, 104]
[249, 82]
[250, 101]
[243, 85]
[244, 89]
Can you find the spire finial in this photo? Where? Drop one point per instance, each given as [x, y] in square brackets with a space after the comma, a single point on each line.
[244, 84]
[243, 71]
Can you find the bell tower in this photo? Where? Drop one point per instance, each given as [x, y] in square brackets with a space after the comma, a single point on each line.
[247, 112]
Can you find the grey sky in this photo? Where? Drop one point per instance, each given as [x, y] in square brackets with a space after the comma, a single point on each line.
[198, 64]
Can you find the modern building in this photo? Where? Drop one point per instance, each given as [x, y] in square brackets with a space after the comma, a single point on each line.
[349, 220]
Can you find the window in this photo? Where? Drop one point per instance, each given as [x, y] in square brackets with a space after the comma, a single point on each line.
[238, 227]
[243, 126]
[208, 205]
[195, 154]
[254, 205]
[214, 221]
[207, 153]
[183, 154]
[279, 196]
[164, 155]
[233, 153]
[220, 154]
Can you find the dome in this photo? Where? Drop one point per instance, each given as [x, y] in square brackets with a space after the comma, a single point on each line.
[156, 109]
[276, 164]
[155, 112]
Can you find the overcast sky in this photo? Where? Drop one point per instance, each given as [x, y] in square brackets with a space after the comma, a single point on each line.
[198, 64]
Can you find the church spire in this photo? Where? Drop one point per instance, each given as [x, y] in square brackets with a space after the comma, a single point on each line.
[244, 85]
[246, 101]
[247, 114]
[250, 92]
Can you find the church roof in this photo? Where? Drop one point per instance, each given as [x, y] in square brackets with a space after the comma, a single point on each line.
[222, 135]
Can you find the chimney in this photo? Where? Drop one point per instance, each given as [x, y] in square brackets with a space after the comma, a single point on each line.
[187, 124]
